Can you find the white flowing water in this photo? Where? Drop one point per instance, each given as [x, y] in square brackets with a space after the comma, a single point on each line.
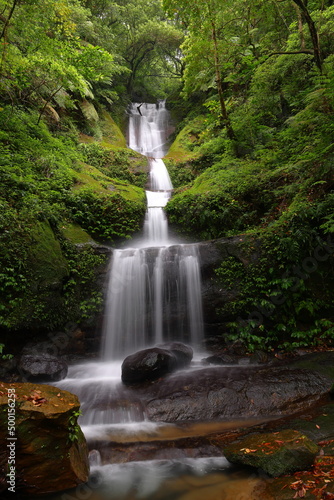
[154, 295]
[154, 291]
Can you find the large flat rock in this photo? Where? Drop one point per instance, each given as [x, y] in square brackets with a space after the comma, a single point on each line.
[233, 392]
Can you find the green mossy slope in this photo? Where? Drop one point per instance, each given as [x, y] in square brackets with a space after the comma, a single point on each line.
[53, 203]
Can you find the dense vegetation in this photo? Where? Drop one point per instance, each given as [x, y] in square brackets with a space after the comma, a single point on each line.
[256, 157]
[251, 84]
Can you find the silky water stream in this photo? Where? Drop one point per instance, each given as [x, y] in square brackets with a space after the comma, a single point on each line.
[154, 295]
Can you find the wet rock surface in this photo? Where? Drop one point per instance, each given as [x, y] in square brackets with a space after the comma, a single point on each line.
[184, 353]
[42, 368]
[228, 392]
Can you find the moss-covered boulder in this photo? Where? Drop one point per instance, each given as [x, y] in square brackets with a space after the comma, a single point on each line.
[46, 450]
[275, 453]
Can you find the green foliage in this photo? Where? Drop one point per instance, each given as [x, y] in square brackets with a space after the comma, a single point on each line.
[4, 356]
[145, 43]
[45, 279]
[43, 54]
[115, 163]
[221, 200]
[106, 217]
[276, 295]
[74, 429]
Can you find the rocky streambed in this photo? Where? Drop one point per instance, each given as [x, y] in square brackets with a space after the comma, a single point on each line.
[183, 425]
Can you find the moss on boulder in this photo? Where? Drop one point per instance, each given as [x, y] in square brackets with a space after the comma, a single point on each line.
[48, 262]
[275, 453]
[50, 452]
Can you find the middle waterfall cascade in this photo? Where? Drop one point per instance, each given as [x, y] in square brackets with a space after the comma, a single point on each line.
[154, 292]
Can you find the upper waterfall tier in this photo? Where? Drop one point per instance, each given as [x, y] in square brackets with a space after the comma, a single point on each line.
[149, 128]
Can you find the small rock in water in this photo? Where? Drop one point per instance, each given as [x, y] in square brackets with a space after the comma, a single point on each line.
[94, 458]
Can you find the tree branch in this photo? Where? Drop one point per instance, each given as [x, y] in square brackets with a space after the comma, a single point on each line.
[47, 102]
[11, 12]
[289, 52]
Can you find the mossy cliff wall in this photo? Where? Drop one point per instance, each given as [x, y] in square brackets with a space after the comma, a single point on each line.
[65, 198]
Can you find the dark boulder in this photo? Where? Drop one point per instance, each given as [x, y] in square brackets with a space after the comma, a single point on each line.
[148, 364]
[183, 353]
[275, 453]
[42, 368]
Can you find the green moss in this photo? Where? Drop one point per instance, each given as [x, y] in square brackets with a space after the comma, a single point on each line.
[222, 200]
[181, 149]
[112, 134]
[75, 234]
[46, 257]
[92, 178]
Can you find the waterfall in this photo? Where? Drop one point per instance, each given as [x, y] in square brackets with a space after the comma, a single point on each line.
[154, 291]
[154, 296]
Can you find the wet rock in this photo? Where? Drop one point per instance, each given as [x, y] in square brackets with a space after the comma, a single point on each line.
[148, 364]
[323, 362]
[276, 453]
[214, 296]
[183, 353]
[220, 359]
[259, 357]
[42, 368]
[50, 451]
[94, 458]
[231, 392]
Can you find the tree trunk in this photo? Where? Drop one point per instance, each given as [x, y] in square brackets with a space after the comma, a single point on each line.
[224, 116]
[313, 32]
[300, 27]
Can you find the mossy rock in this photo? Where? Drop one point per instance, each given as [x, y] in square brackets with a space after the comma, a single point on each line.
[51, 450]
[92, 178]
[322, 362]
[46, 257]
[275, 453]
[111, 131]
[180, 149]
[75, 234]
